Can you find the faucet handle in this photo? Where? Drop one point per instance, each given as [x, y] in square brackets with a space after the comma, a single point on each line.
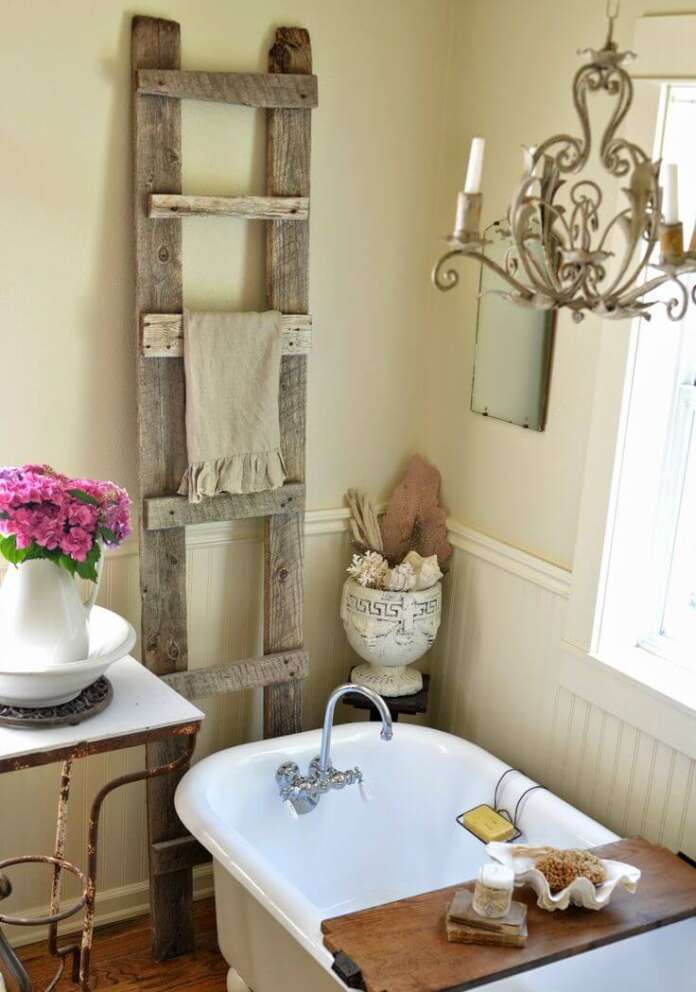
[287, 773]
[290, 810]
[365, 793]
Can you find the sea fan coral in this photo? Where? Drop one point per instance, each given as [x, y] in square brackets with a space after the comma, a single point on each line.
[414, 519]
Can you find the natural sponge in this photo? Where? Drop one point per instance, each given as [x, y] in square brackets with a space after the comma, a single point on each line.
[560, 868]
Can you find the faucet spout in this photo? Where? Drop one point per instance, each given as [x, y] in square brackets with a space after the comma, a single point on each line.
[386, 732]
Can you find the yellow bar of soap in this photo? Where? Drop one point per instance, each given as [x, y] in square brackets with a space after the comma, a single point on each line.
[486, 824]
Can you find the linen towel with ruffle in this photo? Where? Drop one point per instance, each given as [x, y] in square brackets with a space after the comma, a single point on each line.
[232, 371]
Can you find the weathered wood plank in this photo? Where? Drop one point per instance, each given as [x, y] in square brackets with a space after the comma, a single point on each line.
[249, 89]
[162, 335]
[171, 895]
[287, 282]
[276, 208]
[158, 287]
[162, 445]
[283, 616]
[179, 854]
[402, 946]
[163, 512]
[251, 673]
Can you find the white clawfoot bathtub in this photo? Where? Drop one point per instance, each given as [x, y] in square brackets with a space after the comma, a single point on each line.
[277, 878]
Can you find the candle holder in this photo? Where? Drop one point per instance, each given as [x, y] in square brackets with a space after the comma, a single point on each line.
[672, 243]
[468, 223]
[691, 253]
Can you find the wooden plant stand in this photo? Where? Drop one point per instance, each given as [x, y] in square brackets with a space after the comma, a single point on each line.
[143, 711]
[409, 705]
[288, 92]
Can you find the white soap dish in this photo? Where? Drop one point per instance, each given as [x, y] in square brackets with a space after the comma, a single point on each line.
[581, 892]
[110, 639]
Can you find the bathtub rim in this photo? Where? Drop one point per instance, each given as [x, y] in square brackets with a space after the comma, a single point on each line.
[286, 903]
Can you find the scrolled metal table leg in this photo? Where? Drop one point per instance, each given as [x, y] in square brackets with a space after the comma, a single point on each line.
[59, 852]
[8, 958]
[92, 841]
[6, 953]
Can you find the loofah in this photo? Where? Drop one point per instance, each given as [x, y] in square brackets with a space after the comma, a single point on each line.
[414, 520]
[560, 868]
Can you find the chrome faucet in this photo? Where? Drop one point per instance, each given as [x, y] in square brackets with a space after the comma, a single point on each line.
[303, 792]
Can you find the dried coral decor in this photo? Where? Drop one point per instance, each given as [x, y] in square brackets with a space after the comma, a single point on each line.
[288, 92]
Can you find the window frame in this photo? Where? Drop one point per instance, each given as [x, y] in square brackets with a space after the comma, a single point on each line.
[627, 680]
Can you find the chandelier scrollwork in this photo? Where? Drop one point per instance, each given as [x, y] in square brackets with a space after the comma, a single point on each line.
[561, 256]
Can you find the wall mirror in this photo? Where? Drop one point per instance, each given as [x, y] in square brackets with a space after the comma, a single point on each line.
[514, 347]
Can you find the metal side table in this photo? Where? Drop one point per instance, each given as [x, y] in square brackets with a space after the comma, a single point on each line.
[143, 710]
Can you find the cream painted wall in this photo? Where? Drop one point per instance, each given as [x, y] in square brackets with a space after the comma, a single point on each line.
[390, 139]
[67, 332]
[65, 252]
[511, 82]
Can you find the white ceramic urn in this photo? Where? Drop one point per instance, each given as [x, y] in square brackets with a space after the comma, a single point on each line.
[390, 630]
[43, 620]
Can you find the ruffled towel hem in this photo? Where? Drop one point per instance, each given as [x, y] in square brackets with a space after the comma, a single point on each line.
[252, 472]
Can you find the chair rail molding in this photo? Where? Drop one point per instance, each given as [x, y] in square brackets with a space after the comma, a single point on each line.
[524, 564]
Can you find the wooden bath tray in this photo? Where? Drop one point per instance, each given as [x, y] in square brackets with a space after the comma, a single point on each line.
[402, 947]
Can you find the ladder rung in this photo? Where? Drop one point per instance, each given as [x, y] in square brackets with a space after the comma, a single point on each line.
[251, 207]
[251, 673]
[163, 512]
[162, 335]
[250, 89]
[177, 854]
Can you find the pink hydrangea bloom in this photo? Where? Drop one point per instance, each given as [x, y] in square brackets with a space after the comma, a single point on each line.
[50, 514]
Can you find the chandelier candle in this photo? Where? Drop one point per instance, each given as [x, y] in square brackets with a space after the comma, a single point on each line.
[671, 229]
[468, 217]
[472, 183]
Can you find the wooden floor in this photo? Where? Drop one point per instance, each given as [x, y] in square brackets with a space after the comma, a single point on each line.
[121, 960]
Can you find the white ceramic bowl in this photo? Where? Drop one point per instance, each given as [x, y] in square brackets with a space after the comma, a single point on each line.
[580, 892]
[110, 638]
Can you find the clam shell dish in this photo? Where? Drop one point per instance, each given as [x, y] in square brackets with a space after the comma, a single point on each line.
[581, 892]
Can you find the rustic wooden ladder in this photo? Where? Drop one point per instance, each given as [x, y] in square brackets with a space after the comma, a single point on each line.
[288, 92]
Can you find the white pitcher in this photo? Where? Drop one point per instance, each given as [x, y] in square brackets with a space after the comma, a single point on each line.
[43, 620]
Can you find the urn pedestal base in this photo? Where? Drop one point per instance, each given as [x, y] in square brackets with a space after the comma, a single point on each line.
[396, 680]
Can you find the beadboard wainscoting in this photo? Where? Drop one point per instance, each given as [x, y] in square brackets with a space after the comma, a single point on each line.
[496, 681]
[496, 667]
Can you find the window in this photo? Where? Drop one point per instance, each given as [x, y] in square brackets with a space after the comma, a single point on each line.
[648, 595]
[673, 621]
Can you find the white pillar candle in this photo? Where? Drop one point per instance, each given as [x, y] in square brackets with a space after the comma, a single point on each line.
[670, 194]
[493, 891]
[472, 183]
[497, 876]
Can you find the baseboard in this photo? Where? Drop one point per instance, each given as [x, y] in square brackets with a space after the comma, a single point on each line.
[113, 906]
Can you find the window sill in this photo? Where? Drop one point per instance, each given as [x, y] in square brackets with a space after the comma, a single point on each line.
[651, 693]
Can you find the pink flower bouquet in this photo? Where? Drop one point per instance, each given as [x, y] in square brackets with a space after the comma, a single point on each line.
[44, 514]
